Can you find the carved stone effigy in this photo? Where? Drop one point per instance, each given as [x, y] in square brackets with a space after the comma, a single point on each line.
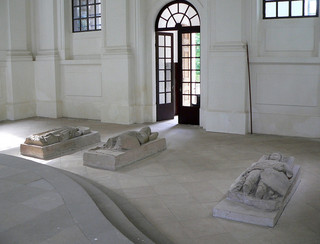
[58, 142]
[260, 193]
[124, 149]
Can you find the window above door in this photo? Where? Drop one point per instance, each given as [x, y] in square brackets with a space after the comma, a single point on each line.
[177, 13]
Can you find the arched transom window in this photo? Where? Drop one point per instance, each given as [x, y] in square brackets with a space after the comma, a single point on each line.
[177, 13]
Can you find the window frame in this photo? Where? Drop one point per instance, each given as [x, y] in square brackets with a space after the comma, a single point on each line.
[95, 17]
[178, 12]
[289, 10]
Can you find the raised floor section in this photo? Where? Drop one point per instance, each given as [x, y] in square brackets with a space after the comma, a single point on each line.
[40, 204]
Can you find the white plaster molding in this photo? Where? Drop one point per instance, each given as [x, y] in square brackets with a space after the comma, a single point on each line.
[86, 57]
[81, 62]
[228, 47]
[86, 35]
[48, 56]
[61, 28]
[118, 50]
[48, 52]
[285, 60]
[19, 55]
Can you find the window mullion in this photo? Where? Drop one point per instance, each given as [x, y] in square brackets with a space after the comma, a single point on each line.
[95, 14]
[290, 8]
[87, 16]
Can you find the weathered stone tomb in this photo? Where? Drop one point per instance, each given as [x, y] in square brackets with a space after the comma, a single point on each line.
[260, 194]
[124, 149]
[59, 141]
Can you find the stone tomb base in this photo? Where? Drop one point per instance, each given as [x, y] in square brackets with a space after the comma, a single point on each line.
[241, 212]
[112, 159]
[60, 148]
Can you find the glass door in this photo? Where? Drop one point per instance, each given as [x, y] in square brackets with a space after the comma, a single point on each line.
[190, 77]
[164, 76]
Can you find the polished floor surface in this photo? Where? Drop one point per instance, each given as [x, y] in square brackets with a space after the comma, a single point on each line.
[176, 190]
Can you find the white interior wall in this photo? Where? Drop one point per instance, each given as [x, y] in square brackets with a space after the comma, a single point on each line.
[46, 52]
[285, 65]
[3, 67]
[3, 110]
[139, 42]
[223, 103]
[80, 69]
[81, 89]
[16, 69]
[284, 69]
[109, 75]
[96, 78]
[117, 60]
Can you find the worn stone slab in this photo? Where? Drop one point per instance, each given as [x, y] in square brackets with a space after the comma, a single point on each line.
[241, 212]
[60, 148]
[114, 159]
[42, 216]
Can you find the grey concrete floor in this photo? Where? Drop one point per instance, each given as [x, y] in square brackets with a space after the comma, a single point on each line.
[176, 189]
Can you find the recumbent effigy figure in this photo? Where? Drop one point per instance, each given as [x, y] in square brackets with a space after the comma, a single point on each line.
[56, 135]
[130, 139]
[265, 184]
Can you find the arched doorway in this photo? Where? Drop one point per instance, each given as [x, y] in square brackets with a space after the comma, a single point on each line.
[178, 62]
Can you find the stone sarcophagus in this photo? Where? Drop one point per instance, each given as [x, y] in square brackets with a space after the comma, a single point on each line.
[259, 194]
[59, 141]
[124, 149]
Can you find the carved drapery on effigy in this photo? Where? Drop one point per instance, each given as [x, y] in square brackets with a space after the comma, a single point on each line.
[130, 140]
[56, 135]
[124, 149]
[59, 141]
[260, 194]
[265, 183]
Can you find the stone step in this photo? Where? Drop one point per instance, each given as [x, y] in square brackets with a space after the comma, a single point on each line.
[120, 212]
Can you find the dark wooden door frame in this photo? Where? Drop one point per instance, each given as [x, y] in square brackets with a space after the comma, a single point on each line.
[165, 110]
[176, 88]
[187, 115]
[182, 17]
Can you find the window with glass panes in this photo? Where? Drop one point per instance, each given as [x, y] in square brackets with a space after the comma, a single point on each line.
[86, 15]
[190, 69]
[273, 9]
